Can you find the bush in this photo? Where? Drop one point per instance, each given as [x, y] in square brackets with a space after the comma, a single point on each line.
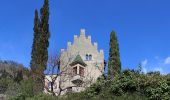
[42, 96]
[130, 85]
[4, 84]
[25, 90]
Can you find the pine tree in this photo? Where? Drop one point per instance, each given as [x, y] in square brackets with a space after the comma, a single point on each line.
[35, 46]
[114, 64]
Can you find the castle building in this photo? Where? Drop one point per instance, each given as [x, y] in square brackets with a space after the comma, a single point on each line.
[81, 64]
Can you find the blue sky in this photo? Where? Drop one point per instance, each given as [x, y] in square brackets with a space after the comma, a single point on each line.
[142, 27]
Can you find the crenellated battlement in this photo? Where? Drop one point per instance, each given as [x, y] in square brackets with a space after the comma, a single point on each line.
[89, 38]
[101, 51]
[62, 50]
[75, 36]
[68, 45]
[83, 44]
[82, 33]
[95, 45]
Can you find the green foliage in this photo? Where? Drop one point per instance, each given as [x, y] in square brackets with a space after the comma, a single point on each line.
[40, 44]
[157, 88]
[114, 64]
[45, 35]
[13, 89]
[4, 84]
[131, 96]
[26, 89]
[19, 76]
[124, 83]
[39, 54]
[9, 69]
[43, 96]
[131, 85]
[35, 46]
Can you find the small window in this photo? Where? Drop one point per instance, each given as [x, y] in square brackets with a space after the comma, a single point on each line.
[87, 57]
[75, 71]
[81, 71]
[90, 57]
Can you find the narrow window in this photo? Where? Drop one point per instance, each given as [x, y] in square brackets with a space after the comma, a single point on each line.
[81, 70]
[90, 57]
[87, 57]
[75, 71]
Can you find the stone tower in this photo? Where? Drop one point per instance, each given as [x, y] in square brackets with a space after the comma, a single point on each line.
[81, 62]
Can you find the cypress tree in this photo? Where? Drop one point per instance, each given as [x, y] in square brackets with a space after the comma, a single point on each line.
[114, 64]
[45, 35]
[35, 46]
[40, 46]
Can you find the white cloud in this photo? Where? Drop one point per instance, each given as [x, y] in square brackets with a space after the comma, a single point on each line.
[158, 69]
[144, 63]
[156, 64]
[167, 60]
[144, 70]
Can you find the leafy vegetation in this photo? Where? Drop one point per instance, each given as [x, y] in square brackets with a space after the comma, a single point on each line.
[129, 85]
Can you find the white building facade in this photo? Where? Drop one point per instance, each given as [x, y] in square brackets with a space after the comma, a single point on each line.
[81, 64]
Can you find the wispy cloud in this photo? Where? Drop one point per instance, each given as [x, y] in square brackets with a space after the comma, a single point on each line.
[160, 69]
[156, 64]
[167, 60]
[144, 63]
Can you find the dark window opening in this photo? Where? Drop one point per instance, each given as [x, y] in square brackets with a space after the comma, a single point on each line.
[87, 57]
[81, 71]
[90, 57]
[75, 71]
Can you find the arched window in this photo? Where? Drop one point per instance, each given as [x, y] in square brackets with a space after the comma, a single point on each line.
[90, 57]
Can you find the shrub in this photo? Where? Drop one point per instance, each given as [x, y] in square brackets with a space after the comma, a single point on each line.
[42, 96]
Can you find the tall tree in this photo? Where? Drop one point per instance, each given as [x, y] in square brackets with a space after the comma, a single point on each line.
[40, 46]
[35, 46]
[114, 64]
[45, 35]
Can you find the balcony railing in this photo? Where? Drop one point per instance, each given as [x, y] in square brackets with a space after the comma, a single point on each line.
[77, 80]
